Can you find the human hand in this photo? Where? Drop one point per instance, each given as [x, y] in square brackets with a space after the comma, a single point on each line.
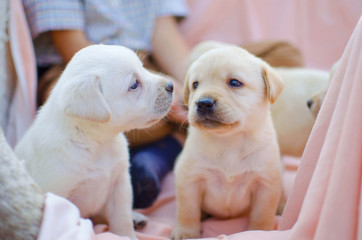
[178, 112]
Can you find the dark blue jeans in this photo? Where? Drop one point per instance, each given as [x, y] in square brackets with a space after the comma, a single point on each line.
[149, 166]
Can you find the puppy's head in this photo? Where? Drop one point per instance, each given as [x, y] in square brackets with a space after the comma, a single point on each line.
[315, 102]
[228, 87]
[108, 84]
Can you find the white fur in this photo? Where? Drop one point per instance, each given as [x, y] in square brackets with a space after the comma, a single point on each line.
[21, 202]
[76, 147]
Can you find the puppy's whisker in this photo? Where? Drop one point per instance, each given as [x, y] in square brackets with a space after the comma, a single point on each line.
[183, 125]
[134, 135]
[147, 132]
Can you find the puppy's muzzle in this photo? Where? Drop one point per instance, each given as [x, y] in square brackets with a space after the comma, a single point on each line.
[164, 98]
[205, 106]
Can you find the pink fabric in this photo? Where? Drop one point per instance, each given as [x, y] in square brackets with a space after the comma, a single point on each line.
[326, 194]
[61, 220]
[325, 200]
[22, 110]
[320, 28]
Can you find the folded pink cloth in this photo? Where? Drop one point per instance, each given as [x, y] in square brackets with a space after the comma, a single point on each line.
[23, 103]
[326, 202]
[61, 220]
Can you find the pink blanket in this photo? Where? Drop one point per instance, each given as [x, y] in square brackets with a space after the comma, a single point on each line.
[325, 200]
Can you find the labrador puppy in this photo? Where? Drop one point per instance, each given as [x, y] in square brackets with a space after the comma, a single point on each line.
[76, 147]
[292, 119]
[230, 164]
[315, 102]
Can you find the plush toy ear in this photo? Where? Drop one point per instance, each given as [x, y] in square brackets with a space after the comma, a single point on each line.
[186, 90]
[274, 83]
[85, 100]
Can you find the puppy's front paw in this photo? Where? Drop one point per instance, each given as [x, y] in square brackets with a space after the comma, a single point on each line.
[185, 233]
[134, 237]
[139, 220]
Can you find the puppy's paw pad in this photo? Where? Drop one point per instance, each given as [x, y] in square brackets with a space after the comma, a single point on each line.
[176, 234]
[139, 220]
[134, 237]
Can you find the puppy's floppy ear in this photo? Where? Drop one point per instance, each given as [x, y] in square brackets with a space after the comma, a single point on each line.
[85, 100]
[186, 90]
[274, 83]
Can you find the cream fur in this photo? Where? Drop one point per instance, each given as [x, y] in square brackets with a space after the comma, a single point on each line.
[291, 116]
[318, 96]
[230, 165]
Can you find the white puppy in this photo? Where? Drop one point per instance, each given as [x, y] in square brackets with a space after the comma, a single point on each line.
[75, 147]
[230, 165]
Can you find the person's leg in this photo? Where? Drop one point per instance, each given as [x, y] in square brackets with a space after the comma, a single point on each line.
[149, 165]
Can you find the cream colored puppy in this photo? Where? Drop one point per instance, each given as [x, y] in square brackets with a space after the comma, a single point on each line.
[315, 102]
[75, 147]
[230, 164]
[292, 119]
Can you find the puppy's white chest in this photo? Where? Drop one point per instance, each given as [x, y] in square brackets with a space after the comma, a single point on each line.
[91, 193]
[101, 176]
[228, 195]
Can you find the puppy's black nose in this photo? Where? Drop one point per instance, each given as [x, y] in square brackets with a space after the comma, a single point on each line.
[205, 105]
[309, 103]
[169, 87]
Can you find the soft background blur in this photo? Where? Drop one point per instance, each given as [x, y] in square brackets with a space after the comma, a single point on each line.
[320, 28]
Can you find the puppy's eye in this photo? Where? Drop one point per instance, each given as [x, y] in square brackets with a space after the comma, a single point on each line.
[235, 83]
[195, 85]
[135, 84]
